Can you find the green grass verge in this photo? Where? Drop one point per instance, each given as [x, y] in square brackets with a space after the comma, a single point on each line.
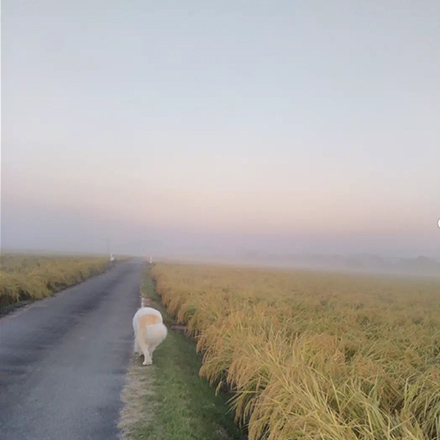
[183, 406]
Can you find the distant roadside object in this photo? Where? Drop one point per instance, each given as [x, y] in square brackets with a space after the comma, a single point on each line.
[149, 332]
[112, 258]
[151, 258]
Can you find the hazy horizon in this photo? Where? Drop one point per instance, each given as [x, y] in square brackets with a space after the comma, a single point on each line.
[221, 127]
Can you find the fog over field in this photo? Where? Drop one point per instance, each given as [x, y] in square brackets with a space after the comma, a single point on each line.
[285, 133]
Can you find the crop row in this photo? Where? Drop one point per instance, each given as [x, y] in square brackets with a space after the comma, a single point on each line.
[24, 277]
[315, 355]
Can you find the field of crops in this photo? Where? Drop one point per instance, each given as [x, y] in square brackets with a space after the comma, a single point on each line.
[28, 277]
[315, 355]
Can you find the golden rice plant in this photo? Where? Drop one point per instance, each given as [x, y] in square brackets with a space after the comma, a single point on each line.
[25, 277]
[310, 355]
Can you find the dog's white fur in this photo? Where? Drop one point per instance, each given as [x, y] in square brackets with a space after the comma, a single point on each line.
[149, 332]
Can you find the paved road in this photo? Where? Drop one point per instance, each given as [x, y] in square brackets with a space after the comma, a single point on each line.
[63, 360]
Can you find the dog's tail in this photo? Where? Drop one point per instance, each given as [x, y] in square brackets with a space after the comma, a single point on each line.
[155, 333]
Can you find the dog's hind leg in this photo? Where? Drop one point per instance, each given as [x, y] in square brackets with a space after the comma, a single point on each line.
[151, 350]
[147, 358]
[136, 348]
[145, 351]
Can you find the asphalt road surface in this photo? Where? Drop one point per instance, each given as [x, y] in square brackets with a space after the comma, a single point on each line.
[63, 360]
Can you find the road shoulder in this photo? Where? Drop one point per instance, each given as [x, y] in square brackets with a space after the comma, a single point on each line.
[169, 401]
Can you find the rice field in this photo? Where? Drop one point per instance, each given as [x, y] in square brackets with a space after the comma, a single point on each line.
[314, 355]
[29, 277]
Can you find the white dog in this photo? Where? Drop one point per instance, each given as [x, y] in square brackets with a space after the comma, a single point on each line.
[149, 332]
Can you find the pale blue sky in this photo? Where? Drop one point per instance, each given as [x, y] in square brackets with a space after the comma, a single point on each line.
[289, 126]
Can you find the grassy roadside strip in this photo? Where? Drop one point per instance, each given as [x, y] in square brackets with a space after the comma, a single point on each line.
[169, 401]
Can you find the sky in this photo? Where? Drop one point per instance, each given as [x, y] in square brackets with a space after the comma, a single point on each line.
[221, 126]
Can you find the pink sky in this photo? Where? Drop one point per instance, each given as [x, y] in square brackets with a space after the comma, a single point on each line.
[303, 127]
